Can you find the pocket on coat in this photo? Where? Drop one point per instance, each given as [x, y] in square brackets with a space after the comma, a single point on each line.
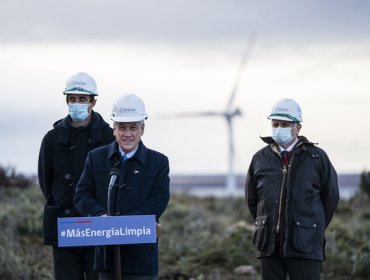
[307, 235]
[260, 234]
[51, 214]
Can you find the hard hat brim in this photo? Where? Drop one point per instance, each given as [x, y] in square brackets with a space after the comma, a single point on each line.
[128, 119]
[79, 91]
[283, 118]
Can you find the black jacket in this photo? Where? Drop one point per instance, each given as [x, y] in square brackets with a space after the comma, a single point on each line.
[306, 197]
[142, 189]
[61, 160]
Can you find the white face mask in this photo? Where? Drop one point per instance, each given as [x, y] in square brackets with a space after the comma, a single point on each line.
[78, 112]
[282, 135]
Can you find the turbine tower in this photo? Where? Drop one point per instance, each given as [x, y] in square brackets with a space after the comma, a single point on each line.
[231, 112]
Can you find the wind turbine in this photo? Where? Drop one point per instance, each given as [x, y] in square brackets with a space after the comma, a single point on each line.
[229, 113]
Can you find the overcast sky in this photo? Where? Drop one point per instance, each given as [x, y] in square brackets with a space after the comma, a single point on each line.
[183, 56]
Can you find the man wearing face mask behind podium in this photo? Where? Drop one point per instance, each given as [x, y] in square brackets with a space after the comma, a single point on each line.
[142, 188]
[61, 160]
[292, 193]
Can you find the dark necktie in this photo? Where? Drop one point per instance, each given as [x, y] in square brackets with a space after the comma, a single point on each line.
[285, 157]
[124, 157]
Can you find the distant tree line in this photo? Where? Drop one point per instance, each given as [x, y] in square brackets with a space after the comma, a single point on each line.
[10, 178]
[365, 182]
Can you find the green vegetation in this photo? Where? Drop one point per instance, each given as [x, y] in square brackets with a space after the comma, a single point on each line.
[205, 238]
[22, 255]
[202, 238]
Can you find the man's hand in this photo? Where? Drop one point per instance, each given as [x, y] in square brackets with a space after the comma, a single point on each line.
[158, 230]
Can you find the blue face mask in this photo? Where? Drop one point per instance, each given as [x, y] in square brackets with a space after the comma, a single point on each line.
[282, 135]
[78, 112]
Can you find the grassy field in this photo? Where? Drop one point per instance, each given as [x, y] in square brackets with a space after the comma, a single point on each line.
[203, 238]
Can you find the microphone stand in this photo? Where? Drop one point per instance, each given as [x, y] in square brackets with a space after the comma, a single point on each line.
[117, 254]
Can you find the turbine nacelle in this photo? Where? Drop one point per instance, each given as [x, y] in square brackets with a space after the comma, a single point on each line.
[233, 113]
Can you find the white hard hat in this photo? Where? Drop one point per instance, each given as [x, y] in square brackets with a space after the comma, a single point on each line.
[128, 108]
[81, 83]
[286, 110]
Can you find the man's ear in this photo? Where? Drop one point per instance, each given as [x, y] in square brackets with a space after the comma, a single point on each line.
[92, 105]
[299, 126]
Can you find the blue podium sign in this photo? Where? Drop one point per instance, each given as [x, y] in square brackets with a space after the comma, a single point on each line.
[111, 230]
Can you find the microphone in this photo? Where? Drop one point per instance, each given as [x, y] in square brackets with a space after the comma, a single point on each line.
[113, 177]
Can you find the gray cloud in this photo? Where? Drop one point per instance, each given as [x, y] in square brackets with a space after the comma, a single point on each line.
[176, 21]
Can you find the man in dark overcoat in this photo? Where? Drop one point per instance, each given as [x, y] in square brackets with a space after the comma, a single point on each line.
[142, 188]
[62, 158]
[292, 193]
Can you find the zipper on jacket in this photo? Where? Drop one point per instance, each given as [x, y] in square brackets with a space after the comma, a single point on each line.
[284, 171]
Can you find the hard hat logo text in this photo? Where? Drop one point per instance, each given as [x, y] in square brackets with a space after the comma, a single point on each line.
[127, 110]
[282, 109]
[74, 83]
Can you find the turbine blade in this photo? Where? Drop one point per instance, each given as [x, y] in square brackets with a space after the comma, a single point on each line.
[245, 57]
[191, 114]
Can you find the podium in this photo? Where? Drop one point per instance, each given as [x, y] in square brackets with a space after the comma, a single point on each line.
[109, 230]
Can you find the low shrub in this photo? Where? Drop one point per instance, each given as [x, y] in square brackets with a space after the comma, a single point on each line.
[10, 178]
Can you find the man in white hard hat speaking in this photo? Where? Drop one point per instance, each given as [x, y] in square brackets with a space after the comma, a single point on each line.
[292, 193]
[61, 160]
[143, 180]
